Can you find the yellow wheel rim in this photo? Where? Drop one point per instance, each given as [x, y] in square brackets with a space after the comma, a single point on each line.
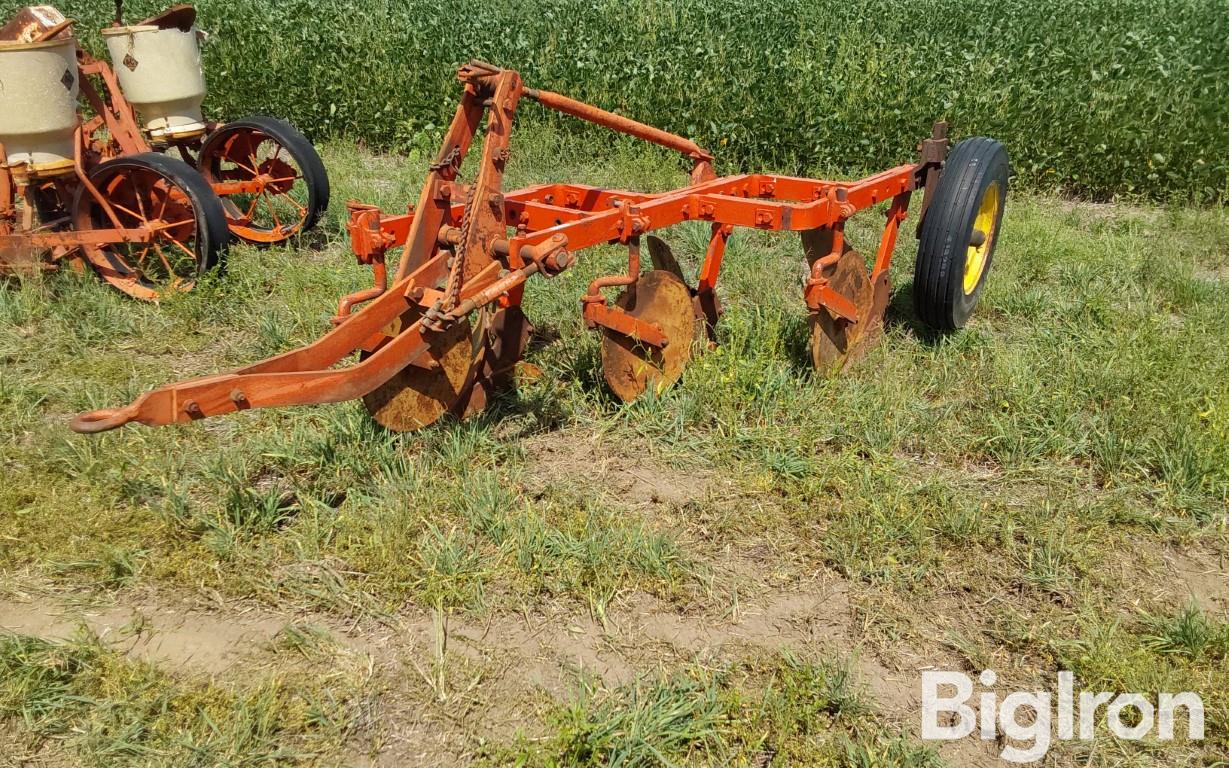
[982, 238]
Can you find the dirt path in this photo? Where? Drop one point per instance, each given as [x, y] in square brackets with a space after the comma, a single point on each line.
[493, 675]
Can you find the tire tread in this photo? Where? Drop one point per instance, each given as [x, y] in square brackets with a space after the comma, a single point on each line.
[971, 166]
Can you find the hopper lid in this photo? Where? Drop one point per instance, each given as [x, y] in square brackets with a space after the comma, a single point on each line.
[36, 24]
[181, 17]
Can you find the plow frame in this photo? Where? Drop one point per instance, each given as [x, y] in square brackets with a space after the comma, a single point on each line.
[467, 246]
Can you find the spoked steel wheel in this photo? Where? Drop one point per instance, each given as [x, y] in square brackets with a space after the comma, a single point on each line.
[271, 181]
[162, 195]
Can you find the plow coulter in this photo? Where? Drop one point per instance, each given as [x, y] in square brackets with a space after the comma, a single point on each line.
[446, 332]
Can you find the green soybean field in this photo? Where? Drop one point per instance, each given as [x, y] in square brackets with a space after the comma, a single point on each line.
[1093, 97]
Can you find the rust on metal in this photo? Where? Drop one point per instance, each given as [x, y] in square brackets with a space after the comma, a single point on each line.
[446, 332]
[632, 364]
[36, 23]
[839, 339]
[418, 395]
[181, 17]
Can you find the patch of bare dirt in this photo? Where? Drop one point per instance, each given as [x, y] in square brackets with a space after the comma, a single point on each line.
[440, 683]
[1204, 578]
[177, 635]
[1160, 577]
[17, 751]
[623, 472]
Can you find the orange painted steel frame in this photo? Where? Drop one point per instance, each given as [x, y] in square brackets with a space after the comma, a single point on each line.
[114, 112]
[549, 222]
[62, 244]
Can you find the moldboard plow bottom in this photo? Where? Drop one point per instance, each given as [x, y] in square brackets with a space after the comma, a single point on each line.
[448, 332]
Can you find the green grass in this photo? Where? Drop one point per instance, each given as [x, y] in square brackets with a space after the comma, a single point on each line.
[115, 711]
[1002, 496]
[780, 709]
[790, 85]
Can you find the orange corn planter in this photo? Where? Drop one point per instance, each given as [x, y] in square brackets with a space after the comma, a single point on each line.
[104, 191]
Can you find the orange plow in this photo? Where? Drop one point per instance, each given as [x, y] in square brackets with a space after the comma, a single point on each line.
[449, 331]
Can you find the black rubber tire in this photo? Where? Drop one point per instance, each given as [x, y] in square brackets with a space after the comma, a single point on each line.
[211, 234]
[315, 177]
[939, 295]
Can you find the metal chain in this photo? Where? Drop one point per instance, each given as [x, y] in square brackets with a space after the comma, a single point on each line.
[450, 161]
[452, 294]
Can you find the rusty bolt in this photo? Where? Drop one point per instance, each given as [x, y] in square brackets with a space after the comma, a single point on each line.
[193, 409]
[239, 398]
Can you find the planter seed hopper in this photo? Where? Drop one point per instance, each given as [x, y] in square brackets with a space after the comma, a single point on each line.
[449, 331]
[258, 178]
[270, 178]
[144, 222]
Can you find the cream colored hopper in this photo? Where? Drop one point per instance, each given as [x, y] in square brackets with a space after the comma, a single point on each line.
[160, 73]
[38, 103]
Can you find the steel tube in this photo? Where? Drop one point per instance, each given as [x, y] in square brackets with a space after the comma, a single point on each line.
[598, 116]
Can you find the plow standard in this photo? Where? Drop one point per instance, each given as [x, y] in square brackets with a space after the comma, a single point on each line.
[448, 332]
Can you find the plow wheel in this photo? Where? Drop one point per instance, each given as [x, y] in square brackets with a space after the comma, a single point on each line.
[163, 194]
[836, 343]
[435, 384]
[271, 180]
[959, 232]
[630, 366]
